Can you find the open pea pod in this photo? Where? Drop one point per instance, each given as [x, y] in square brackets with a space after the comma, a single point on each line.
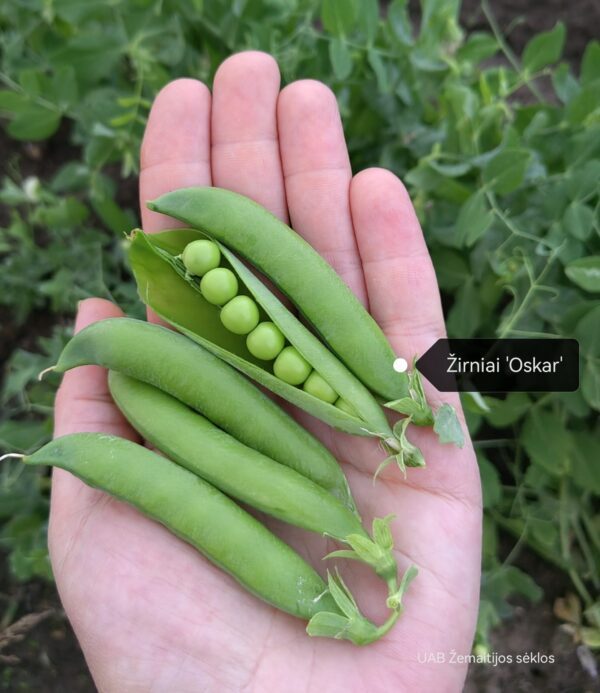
[299, 271]
[171, 292]
[295, 267]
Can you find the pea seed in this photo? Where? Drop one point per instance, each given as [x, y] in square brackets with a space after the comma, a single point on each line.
[317, 386]
[240, 315]
[219, 286]
[265, 341]
[284, 257]
[346, 406]
[201, 256]
[291, 367]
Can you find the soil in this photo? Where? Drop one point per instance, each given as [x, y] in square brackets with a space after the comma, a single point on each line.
[47, 657]
[519, 20]
[556, 663]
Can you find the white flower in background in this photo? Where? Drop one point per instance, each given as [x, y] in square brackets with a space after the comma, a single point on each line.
[31, 188]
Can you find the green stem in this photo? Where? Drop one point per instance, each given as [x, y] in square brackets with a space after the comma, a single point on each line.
[389, 624]
[586, 551]
[512, 58]
[563, 518]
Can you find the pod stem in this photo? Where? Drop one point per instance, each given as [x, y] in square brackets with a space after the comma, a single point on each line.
[377, 552]
[352, 625]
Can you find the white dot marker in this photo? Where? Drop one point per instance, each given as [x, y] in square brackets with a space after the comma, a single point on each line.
[400, 365]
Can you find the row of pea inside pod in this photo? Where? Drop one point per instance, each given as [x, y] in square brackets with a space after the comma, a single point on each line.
[240, 315]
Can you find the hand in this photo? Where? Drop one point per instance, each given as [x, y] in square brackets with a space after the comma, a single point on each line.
[149, 611]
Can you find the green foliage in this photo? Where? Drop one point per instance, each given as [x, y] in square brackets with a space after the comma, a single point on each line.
[502, 159]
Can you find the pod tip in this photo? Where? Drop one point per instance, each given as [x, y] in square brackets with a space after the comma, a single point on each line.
[13, 455]
[41, 374]
[151, 204]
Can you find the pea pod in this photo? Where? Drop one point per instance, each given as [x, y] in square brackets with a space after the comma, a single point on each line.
[246, 227]
[242, 473]
[212, 523]
[165, 286]
[202, 381]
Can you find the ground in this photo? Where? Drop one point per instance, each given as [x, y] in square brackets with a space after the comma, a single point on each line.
[41, 653]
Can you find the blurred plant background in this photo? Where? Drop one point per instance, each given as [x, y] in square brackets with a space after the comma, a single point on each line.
[500, 151]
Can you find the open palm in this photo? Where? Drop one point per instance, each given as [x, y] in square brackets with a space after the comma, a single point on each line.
[149, 611]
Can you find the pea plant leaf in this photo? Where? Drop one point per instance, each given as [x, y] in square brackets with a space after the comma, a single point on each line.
[341, 58]
[474, 219]
[547, 442]
[578, 220]
[400, 22]
[544, 49]
[339, 16]
[34, 123]
[505, 412]
[585, 272]
[368, 18]
[590, 63]
[506, 171]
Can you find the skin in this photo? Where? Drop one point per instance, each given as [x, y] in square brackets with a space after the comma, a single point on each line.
[149, 612]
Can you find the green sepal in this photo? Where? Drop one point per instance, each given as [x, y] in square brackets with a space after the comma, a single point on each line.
[342, 595]
[444, 420]
[326, 624]
[343, 553]
[382, 534]
[447, 426]
[353, 625]
[409, 407]
[376, 552]
[415, 405]
[394, 601]
[408, 455]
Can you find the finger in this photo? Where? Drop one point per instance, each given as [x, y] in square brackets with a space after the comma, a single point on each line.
[176, 146]
[317, 174]
[399, 275]
[245, 149]
[83, 404]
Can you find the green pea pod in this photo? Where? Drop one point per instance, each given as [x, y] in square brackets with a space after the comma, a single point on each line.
[242, 473]
[195, 511]
[183, 369]
[216, 526]
[300, 272]
[242, 225]
[165, 286]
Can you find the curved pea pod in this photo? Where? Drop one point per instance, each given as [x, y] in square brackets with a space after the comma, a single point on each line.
[190, 373]
[299, 271]
[166, 287]
[217, 527]
[196, 512]
[241, 472]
